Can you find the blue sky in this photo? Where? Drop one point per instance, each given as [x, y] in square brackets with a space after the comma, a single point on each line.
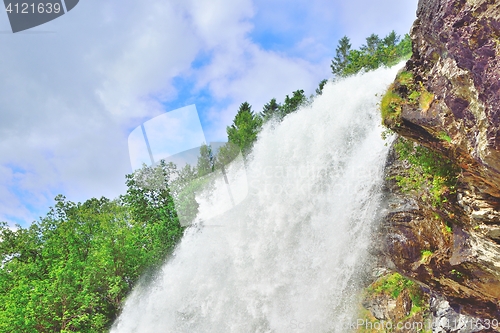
[73, 89]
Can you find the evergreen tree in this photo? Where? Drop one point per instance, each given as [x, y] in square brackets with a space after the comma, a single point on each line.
[243, 131]
[322, 83]
[372, 44]
[376, 52]
[340, 61]
[270, 110]
[291, 104]
[205, 160]
[391, 40]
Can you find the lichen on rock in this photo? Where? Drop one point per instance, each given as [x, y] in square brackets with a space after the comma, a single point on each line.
[447, 99]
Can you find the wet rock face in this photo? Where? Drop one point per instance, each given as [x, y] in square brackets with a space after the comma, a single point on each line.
[446, 319]
[456, 58]
[439, 247]
[456, 55]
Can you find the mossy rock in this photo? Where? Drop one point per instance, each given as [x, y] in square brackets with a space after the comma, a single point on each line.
[405, 91]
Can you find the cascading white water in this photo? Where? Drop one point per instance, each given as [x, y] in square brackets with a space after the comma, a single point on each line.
[288, 258]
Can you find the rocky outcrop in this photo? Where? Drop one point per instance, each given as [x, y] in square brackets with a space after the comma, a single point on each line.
[448, 99]
[437, 246]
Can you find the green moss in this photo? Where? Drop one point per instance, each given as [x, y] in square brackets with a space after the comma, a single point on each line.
[391, 105]
[404, 91]
[443, 136]
[391, 284]
[425, 99]
[456, 274]
[426, 255]
[414, 97]
[429, 175]
[405, 78]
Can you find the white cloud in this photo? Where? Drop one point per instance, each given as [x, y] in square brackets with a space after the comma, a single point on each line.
[70, 97]
[220, 22]
[361, 18]
[67, 96]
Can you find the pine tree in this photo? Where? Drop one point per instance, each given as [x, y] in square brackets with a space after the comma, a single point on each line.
[291, 104]
[243, 131]
[270, 110]
[340, 61]
[322, 83]
[205, 163]
[391, 40]
[372, 44]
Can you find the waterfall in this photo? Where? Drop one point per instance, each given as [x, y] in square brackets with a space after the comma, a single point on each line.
[289, 257]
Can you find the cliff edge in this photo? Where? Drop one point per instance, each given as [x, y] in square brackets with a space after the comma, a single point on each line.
[442, 224]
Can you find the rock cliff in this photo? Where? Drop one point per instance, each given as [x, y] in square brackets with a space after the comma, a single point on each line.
[444, 230]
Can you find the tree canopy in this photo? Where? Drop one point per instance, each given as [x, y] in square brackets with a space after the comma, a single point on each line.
[374, 53]
[246, 125]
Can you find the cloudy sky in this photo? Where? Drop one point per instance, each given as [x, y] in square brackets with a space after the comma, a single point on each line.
[72, 90]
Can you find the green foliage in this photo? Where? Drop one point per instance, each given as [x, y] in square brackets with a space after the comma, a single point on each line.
[270, 110]
[225, 155]
[246, 125]
[375, 53]
[340, 61]
[444, 137]
[426, 254]
[404, 91]
[391, 284]
[243, 131]
[291, 104]
[71, 271]
[457, 274]
[391, 105]
[425, 99]
[277, 111]
[206, 161]
[321, 85]
[428, 172]
[405, 78]
[151, 204]
[404, 47]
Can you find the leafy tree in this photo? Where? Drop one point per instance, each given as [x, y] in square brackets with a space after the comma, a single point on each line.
[403, 48]
[206, 160]
[71, 271]
[243, 131]
[151, 204]
[226, 154]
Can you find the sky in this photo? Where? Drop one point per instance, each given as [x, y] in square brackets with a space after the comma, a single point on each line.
[73, 89]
